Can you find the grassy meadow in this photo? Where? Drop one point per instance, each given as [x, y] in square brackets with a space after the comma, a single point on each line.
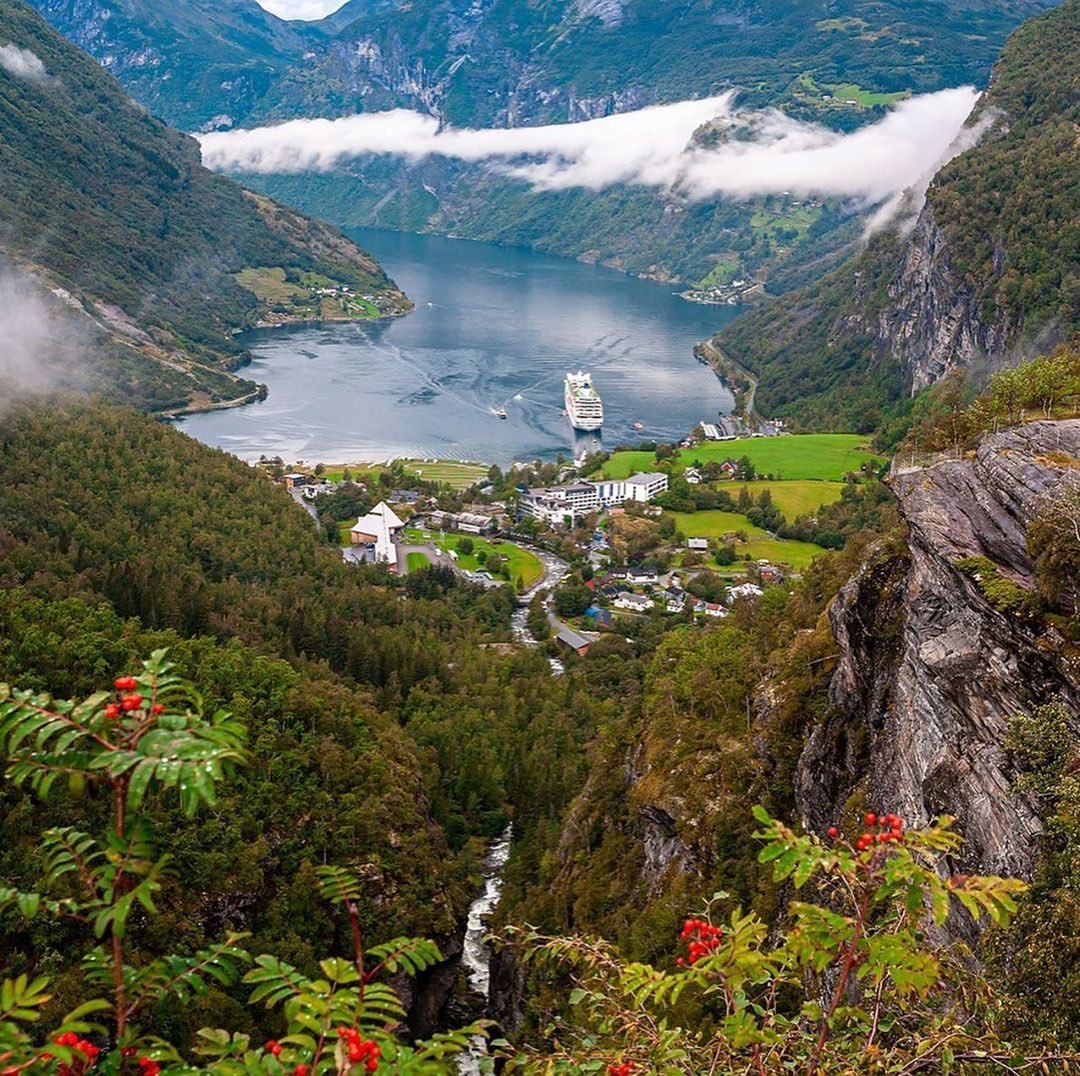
[810, 456]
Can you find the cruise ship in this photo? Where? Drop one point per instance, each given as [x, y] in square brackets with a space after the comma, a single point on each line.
[583, 405]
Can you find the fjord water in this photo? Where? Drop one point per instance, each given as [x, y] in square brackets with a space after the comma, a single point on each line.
[494, 327]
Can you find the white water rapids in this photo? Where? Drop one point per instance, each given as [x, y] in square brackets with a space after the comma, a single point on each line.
[476, 955]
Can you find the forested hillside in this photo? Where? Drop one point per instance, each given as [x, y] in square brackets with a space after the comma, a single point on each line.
[191, 62]
[512, 64]
[114, 207]
[382, 733]
[988, 275]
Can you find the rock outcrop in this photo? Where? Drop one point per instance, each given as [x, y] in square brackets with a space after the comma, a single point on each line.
[933, 322]
[930, 670]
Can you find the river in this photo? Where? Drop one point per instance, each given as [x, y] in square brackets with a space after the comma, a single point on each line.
[493, 327]
[476, 954]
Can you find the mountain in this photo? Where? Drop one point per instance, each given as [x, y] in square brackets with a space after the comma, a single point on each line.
[511, 64]
[137, 242]
[990, 271]
[891, 676]
[193, 62]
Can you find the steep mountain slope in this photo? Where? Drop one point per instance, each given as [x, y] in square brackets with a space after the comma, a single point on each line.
[505, 63]
[114, 211]
[193, 62]
[917, 631]
[990, 273]
[885, 681]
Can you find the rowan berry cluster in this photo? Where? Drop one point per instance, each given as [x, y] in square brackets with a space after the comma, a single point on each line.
[623, 1069]
[87, 1049]
[702, 937]
[148, 1066]
[890, 827]
[130, 699]
[360, 1050]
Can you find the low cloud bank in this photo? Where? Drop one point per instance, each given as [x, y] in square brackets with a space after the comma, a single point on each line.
[754, 154]
[40, 350]
[22, 63]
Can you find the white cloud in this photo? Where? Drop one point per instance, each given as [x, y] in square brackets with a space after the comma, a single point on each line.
[22, 63]
[309, 10]
[41, 347]
[759, 153]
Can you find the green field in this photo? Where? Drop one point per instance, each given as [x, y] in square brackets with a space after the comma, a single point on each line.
[416, 561]
[522, 562]
[800, 497]
[797, 555]
[826, 456]
[760, 544]
[714, 524]
[452, 473]
[842, 92]
[270, 286]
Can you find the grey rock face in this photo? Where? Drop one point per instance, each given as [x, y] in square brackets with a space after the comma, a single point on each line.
[933, 323]
[929, 670]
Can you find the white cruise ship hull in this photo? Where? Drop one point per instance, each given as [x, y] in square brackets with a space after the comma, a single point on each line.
[586, 425]
[586, 415]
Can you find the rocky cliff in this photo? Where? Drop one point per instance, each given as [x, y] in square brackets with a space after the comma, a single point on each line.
[991, 272]
[930, 669]
[933, 322]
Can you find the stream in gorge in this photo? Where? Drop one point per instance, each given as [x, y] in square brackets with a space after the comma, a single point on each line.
[476, 955]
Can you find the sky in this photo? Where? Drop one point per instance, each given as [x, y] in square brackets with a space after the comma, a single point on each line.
[769, 152]
[302, 9]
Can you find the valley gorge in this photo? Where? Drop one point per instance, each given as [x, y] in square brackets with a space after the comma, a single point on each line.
[771, 766]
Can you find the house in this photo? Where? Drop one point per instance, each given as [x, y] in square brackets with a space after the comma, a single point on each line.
[692, 476]
[770, 573]
[710, 432]
[641, 576]
[404, 496]
[745, 590]
[730, 468]
[636, 603]
[377, 531]
[473, 523]
[697, 543]
[602, 617]
[295, 481]
[572, 641]
[715, 609]
[675, 601]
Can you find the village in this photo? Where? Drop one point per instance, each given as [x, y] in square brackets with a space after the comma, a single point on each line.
[595, 544]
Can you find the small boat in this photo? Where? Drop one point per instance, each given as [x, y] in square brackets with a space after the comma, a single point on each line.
[499, 412]
[639, 425]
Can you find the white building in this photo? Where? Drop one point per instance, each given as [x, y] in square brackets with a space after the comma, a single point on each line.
[643, 487]
[637, 603]
[554, 503]
[746, 590]
[376, 530]
[697, 543]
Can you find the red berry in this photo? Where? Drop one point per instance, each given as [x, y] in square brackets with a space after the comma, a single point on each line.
[125, 683]
[870, 818]
[112, 711]
[128, 1051]
[301, 1070]
[273, 1047]
[131, 702]
[832, 831]
[157, 709]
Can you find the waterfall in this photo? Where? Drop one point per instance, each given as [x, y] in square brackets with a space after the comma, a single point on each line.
[476, 955]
